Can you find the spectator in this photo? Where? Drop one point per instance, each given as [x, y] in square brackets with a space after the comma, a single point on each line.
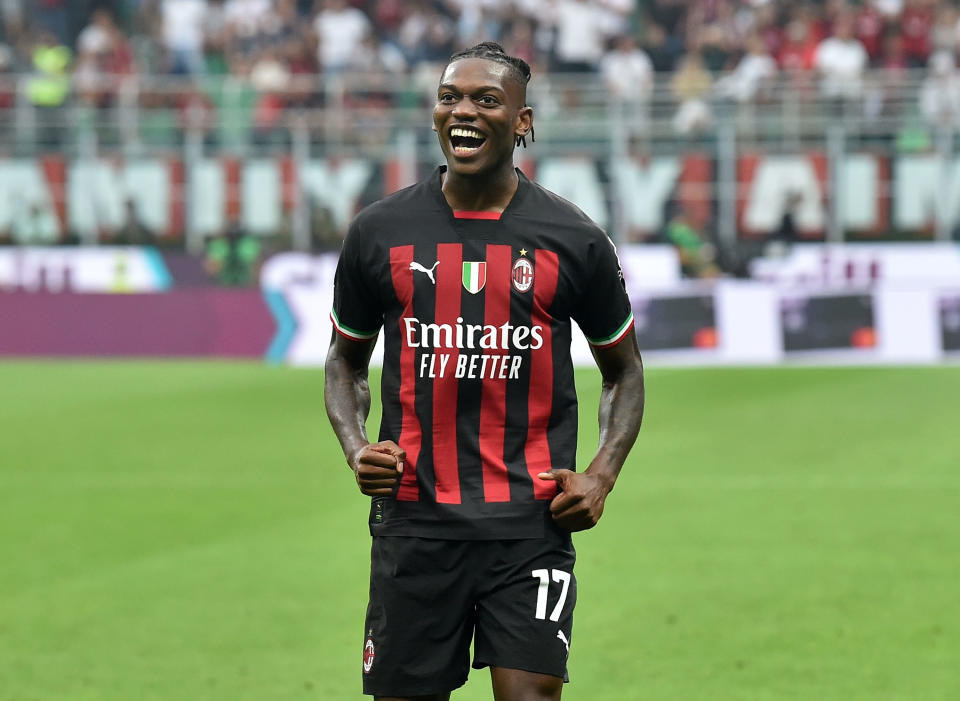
[216, 38]
[232, 257]
[943, 33]
[690, 86]
[270, 77]
[628, 75]
[754, 72]
[799, 47]
[627, 71]
[36, 226]
[916, 21]
[663, 49]
[869, 25]
[582, 30]
[246, 18]
[940, 92]
[697, 257]
[340, 29]
[8, 99]
[182, 33]
[133, 232]
[49, 88]
[841, 60]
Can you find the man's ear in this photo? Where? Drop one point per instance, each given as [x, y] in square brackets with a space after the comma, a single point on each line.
[524, 121]
[524, 126]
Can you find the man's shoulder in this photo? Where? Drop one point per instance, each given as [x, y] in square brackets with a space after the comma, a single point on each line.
[549, 208]
[407, 205]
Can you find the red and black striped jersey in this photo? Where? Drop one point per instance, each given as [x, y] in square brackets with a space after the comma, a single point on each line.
[477, 384]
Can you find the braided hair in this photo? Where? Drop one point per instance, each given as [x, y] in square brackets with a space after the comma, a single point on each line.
[492, 51]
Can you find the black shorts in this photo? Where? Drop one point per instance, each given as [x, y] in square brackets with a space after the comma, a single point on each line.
[429, 598]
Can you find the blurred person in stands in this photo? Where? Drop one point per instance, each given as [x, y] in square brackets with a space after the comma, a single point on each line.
[582, 31]
[50, 16]
[216, 38]
[943, 33]
[247, 18]
[35, 225]
[425, 34]
[663, 49]
[628, 75]
[690, 87]
[799, 47]
[8, 99]
[841, 61]
[915, 24]
[133, 231]
[754, 73]
[232, 257]
[270, 77]
[885, 97]
[716, 46]
[697, 256]
[940, 92]
[520, 41]
[339, 29]
[49, 88]
[104, 58]
[182, 35]
[869, 27]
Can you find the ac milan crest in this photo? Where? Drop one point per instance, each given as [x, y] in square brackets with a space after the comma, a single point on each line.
[368, 654]
[522, 275]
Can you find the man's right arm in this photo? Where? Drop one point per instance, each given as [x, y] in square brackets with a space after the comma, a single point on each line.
[377, 466]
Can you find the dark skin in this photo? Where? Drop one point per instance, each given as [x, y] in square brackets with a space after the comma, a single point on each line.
[484, 95]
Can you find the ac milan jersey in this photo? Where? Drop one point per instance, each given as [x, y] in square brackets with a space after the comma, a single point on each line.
[477, 384]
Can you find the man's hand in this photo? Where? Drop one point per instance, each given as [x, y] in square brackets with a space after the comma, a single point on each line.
[579, 504]
[378, 467]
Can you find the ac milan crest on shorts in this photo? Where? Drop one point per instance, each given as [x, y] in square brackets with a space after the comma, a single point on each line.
[369, 652]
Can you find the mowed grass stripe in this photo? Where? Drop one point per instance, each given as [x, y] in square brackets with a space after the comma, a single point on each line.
[189, 530]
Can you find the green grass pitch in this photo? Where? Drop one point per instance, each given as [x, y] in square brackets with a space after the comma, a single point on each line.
[188, 531]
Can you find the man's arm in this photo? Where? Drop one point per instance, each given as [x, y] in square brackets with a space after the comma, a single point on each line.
[377, 466]
[579, 504]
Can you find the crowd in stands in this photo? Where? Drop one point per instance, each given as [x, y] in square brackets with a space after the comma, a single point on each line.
[733, 45]
[694, 51]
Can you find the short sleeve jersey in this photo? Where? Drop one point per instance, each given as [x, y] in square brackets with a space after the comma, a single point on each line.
[477, 383]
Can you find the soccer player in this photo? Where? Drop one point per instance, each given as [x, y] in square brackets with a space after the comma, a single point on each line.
[475, 275]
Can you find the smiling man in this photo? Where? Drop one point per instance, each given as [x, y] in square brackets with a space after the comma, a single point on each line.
[475, 276]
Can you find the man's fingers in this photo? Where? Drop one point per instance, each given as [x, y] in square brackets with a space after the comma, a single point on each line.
[564, 501]
[378, 492]
[378, 484]
[369, 469]
[377, 458]
[385, 454]
[558, 476]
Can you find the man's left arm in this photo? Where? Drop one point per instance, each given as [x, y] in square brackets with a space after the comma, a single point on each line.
[579, 504]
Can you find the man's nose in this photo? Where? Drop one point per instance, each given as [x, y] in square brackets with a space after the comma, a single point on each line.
[464, 108]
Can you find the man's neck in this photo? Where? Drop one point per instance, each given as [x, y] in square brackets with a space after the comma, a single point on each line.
[480, 194]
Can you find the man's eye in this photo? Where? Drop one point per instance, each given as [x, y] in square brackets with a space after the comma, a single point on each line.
[488, 100]
[447, 97]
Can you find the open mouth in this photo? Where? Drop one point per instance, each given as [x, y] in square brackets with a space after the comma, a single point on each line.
[466, 140]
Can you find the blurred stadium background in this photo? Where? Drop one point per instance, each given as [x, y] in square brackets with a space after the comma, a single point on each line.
[783, 183]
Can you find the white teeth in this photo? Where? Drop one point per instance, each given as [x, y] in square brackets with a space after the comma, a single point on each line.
[460, 131]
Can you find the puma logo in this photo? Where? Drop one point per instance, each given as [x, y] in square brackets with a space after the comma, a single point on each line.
[420, 269]
[562, 638]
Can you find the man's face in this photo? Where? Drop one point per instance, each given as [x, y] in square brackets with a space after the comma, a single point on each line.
[479, 113]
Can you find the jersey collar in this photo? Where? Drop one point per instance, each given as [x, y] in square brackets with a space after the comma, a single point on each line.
[436, 183]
